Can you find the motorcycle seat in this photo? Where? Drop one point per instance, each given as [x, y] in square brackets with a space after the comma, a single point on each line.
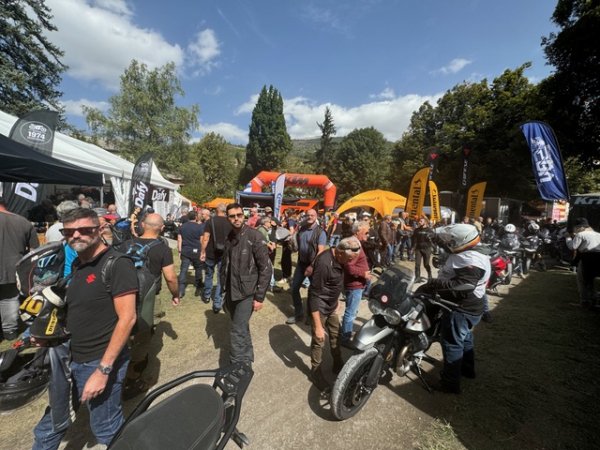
[192, 418]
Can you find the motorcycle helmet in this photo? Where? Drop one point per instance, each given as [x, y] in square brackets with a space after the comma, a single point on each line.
[457, 238]
[533, 227]
[510, 228]
[23, 377]
[46, 312]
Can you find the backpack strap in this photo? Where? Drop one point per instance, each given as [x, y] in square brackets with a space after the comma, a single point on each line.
[107, 270]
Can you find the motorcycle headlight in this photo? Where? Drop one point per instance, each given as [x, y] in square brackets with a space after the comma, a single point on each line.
[375, 307]
[392, 316]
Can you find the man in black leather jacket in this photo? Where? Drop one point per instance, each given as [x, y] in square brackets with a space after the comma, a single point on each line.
[245, 274]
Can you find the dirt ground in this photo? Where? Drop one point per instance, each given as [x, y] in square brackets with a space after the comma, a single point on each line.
[535, 389]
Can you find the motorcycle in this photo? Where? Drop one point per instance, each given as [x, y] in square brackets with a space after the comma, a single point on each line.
[510, 245]
[531, 246]
[199, 416]
[403, 327]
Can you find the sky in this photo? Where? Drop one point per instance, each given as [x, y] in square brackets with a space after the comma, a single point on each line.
[372, 62]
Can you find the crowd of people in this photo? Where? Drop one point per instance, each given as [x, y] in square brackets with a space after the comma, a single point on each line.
[232, 251]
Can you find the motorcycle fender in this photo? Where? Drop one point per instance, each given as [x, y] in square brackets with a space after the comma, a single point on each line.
[370, 334]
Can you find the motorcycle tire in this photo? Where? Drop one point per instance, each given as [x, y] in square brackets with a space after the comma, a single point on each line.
[509, 270]
[526, 265]
[349, 394]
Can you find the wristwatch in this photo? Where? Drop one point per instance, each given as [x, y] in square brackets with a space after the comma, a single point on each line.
[104, 370]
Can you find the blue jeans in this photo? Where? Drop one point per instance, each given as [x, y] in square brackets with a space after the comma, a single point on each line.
[185, 264]
[353, 297]
[390, 253]
[106, 415]
[457, 346]
[334, 240]
[211, 264]
[9, 307]
[296, 284]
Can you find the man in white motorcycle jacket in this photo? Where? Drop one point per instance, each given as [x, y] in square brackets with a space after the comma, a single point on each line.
[465, 266]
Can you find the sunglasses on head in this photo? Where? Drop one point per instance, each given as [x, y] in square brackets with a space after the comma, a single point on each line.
[84, 231]
[236, 216]
[353, 249]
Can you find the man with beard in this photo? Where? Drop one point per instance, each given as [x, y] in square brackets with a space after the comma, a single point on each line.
[100, 319]
[245, 274]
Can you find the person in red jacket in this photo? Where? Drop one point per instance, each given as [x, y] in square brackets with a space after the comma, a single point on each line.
[356, 274]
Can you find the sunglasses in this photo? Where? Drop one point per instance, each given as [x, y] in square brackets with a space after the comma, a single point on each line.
[84, 231]
[357, 249]
[236, 216]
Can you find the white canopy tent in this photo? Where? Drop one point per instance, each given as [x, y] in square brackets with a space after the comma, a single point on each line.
[92, 157]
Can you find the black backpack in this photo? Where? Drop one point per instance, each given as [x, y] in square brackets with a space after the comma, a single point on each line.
[147, 282]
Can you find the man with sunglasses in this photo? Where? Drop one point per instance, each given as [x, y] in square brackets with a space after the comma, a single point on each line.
[245, 274]
[100, 319]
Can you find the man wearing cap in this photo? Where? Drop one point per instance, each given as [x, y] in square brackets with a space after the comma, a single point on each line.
[17, 236]
[586, 246]
[325, 288]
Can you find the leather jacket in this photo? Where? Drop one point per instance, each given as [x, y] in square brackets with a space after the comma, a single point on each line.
[245, 267]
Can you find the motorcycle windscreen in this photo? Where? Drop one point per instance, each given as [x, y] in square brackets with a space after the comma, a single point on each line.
[392, 289]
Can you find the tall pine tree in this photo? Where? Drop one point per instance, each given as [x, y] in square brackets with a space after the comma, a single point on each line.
[30, 67]
[325, 151]
[268, 140]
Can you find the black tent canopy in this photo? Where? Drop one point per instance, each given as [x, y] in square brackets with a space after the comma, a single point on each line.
[21, 163]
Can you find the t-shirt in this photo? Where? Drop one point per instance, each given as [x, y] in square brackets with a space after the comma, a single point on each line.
[91, 315]
[586, 241]
[222, 228]
[190, 233]
[159, 256]
[53, 233]
[17, 237]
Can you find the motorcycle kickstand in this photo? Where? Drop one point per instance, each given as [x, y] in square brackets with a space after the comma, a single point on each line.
[419, 372]
[240, 438]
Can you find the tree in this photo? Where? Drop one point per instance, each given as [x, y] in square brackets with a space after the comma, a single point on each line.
[30, 66]
[573, 91]
[268, 140]
[143, 117]
[361, 162]
[325, 151]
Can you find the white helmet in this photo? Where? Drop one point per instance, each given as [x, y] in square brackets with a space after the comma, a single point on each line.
[510, 228]
[457, 238]
[533, 227]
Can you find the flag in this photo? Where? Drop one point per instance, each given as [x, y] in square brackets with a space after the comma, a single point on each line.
[434, 199]
[433, 158]
[35, 129]
[416, 194]
[546, 160]
[139, 193]
[475, 200]
[278, 194]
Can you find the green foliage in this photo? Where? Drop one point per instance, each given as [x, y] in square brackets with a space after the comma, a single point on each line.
[361, 162]
[268, 139]
[582, 178]
[327, 147]
[30, 66]
[573, 91]
[143, 117]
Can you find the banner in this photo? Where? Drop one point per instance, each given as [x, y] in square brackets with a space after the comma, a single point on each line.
[416, 194]
[434, 200]
[158, 194]
[433, 158]
[35, 129]
[464, 172]
[475, 200]
[139, 194]
[278, 194]
[546, 160]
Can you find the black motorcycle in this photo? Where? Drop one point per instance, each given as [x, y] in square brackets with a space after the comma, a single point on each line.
[395, 339]
[197, 417]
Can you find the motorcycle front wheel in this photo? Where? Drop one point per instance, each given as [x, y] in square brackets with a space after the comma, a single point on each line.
[526, 265]
[509, 271]
[349, 393]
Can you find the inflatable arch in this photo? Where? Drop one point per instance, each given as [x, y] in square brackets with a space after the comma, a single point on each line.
[299, 180]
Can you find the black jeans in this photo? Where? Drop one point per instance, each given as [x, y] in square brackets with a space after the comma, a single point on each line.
[425, 255]
[241, 340]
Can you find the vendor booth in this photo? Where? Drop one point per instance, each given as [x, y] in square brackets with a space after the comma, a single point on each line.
[116, 170]
[383, 202]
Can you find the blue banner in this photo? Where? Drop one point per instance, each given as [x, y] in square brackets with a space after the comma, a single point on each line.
[546, 160]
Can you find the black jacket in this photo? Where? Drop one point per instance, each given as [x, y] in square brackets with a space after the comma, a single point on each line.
[245, 267]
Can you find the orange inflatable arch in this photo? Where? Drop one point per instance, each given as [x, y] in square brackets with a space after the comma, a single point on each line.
[298, 180]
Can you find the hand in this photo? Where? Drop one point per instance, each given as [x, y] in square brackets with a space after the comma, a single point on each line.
[38, 342]
[94, 387]
[309, 271]
[256, 306]
[175, 301]
[203, 256]
[320, 334]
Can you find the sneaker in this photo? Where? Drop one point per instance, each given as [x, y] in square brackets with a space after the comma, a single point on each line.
[294, 319]
[275, 289]
[216, 310]
[206, 300]
[198, 291]
[10, 335]
[487, 317]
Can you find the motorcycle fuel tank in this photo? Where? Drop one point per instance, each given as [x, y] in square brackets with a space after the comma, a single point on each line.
[370, 333]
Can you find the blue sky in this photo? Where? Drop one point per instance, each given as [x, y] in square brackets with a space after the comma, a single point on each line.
[373, 62]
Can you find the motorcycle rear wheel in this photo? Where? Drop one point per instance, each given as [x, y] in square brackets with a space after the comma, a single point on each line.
[349, 393]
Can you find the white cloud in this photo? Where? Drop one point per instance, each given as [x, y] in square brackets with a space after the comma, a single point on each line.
[204, 51]
[74, 107]
[100, 40]
[387, 94]
[232, 133]
[454, 66]
[391, 116]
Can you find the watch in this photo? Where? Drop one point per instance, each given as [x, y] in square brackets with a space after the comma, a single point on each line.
[104, 370]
